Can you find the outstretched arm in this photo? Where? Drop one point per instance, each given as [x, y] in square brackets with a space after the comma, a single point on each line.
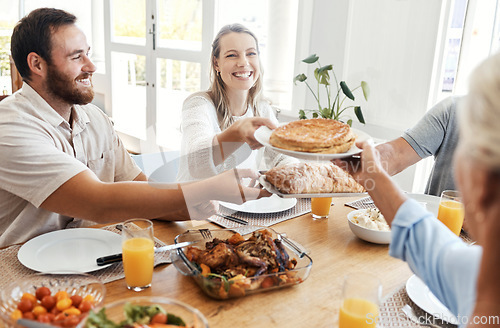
[85, 196]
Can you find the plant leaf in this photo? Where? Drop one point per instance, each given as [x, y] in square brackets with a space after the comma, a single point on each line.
[346, 90]
[301, 78]
[359, 114]
[302, 115]
[322, 74]
[349, 122]
[311, 59]
[315, 115]
[325, 68]
[366, 89]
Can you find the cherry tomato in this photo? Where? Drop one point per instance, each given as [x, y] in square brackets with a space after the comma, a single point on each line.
[48, 302]
[89, 297]
[38, 309]
[30, 297]
[85, 306]
[63, 304]
[16, 314]
[45, 318]
[76, 299]
[71, 321]
[59, 319]
[159, 318]
[72, 310]
[41, 292]
[25, 305]
[29, 315]
[62, 294]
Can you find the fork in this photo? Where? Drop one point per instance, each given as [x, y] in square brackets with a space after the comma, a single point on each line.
[205, 233]
[410, 313]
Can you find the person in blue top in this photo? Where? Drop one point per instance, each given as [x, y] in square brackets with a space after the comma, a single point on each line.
[465, 278]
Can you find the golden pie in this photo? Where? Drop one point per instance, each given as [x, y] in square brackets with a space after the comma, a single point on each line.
[316, 135]
[312, 178]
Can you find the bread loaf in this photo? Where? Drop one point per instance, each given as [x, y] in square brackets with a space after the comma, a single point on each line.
[312, 178]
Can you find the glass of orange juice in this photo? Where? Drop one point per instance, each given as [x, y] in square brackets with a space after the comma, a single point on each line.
[361, 295]
[138, 253]
[320, 207]
[451, 210]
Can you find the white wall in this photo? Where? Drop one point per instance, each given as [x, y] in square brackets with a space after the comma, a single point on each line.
[391, 44]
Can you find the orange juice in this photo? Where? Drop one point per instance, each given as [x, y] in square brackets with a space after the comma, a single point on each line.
[451, 213]
[358, 313]
[320, 206]
[138, 261]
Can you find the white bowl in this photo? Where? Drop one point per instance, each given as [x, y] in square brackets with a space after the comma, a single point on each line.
[373, 236]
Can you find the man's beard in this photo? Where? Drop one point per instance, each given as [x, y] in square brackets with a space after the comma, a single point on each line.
[65, 88]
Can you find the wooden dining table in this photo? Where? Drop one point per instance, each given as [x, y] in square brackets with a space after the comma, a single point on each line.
[334, 249]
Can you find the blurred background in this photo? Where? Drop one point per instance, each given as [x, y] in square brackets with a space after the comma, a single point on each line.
[151, 54]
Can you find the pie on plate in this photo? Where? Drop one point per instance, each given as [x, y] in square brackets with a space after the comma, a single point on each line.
[317, 135]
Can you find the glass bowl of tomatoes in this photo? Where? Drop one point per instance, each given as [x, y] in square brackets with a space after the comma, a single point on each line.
[56, 299]
[147, 311]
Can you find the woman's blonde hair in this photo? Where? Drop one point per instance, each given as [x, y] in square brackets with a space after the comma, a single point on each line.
[217, 90]
[480, 114]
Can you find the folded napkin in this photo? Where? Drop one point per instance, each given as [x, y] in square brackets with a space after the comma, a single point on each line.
[362, 203]
[303, 206]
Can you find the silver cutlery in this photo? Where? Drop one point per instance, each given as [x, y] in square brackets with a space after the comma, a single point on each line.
[410, 313]
[232, 218]
[118, 257]
[33, 324]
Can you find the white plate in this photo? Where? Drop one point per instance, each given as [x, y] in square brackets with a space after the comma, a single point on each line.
[272, 189]
[263, 205]
[420, 294]
[69, 250]
[263, 134]
[428, 201]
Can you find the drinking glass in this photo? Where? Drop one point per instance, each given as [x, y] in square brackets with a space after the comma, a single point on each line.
[361, 295]
[138, 253]
[320, 207]
[451, 210]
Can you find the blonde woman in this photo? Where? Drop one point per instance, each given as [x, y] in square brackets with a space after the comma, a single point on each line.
[465, 278]
[218, 125]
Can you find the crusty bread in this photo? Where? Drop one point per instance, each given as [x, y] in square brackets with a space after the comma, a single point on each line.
[312, 178]
[317, 135]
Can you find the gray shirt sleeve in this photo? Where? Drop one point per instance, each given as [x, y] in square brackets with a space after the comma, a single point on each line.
[436, 134]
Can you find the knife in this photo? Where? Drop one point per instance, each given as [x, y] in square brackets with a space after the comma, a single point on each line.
[118, 257]
[33, 324]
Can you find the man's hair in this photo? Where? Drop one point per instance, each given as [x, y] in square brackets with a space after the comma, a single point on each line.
[33, 34]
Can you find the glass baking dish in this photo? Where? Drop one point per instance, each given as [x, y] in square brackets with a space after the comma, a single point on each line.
[219, 287]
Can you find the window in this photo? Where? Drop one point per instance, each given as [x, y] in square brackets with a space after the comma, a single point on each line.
[163, 56]
[8, 18]
[13, 10]
[151, 54]
[472, 34]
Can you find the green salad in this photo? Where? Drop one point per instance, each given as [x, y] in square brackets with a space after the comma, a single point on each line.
[153, 316]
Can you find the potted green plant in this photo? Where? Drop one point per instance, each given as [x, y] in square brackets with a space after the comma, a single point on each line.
[335, 103]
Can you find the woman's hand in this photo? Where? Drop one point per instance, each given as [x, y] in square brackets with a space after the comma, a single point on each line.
[243, 130]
